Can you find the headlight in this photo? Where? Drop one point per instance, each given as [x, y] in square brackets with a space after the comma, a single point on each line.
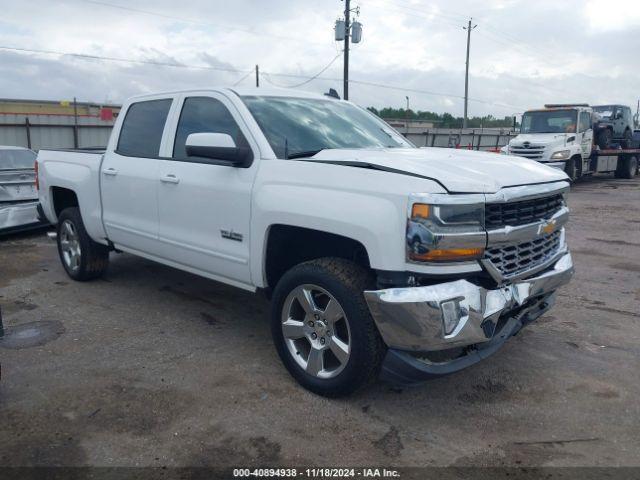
[561, 155]
[445, 233]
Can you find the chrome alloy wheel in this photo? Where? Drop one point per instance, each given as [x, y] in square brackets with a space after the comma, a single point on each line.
[70, 245]
[316, 331]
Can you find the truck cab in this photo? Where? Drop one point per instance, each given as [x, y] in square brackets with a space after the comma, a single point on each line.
[560, 136]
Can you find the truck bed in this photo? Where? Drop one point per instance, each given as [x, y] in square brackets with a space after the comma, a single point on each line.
[78, 171]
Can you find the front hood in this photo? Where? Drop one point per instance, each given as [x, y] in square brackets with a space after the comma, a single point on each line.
[459, 171]
[538, 139]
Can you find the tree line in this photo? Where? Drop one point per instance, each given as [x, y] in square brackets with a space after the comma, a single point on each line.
[443, 120]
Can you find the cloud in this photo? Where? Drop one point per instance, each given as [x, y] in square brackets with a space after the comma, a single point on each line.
[523, 54]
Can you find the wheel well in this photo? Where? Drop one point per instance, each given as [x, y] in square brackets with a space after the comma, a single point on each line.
[288, 246]
[63, 198]
[577, 161]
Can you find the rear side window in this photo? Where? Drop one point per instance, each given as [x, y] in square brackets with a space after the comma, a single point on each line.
[142, 128]
[205, 115]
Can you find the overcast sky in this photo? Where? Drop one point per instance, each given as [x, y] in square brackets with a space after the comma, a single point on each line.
[523, 53]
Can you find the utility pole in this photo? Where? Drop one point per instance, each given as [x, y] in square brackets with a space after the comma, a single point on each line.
[257, 76]
[406, 116]
[468, 28]
[347, 13]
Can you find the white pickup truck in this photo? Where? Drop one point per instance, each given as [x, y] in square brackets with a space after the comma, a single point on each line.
[381, 259]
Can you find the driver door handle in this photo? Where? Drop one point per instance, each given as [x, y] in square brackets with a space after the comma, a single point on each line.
[170, 178]
[110, 171]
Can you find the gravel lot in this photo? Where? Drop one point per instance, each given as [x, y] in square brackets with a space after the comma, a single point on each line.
[155, 367]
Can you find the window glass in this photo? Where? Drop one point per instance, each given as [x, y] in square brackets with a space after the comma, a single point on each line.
[142, 128]
[205, 115]
[16, 159]
[303, 126]
[549, 121]
[585, 121]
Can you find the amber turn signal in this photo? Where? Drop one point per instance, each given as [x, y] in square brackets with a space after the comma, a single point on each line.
[420, 210]
[454, 254]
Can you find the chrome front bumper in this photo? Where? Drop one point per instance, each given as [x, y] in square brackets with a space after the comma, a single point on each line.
[414, 318]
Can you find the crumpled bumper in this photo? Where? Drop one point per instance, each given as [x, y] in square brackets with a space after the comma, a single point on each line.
[460, 314]
[15, 216]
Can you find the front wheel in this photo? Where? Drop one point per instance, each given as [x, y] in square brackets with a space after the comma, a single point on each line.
[322, 327]
[603, 139]
[572, 168]
[82, 258]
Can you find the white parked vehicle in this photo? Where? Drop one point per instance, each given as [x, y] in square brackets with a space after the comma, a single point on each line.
[563, 137]
[316, 201]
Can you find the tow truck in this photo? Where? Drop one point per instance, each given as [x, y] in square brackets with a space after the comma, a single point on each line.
[562, 136]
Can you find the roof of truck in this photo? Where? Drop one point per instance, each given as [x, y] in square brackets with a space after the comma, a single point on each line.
[243, 91]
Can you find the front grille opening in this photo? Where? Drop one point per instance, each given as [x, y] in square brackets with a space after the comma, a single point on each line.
[499, 215]
[515, 259]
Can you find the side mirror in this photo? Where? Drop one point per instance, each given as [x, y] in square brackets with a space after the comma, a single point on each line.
[218, 149]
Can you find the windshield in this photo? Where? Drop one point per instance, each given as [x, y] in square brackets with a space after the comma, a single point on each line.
[605, 111]
[549, 121]
[307, 126]
[16, 159]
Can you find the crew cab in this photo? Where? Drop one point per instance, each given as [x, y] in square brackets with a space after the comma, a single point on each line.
[381, 259]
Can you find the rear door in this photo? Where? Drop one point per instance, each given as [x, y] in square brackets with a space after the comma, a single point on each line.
[204, 209]
[129, 177]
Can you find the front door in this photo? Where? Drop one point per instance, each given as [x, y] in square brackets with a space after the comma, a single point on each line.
[204, 209]
[585, 135]
[129, 177]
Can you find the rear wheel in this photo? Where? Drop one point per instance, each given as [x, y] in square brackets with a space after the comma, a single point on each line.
[627, 167]
[82, 258]
[322, 327]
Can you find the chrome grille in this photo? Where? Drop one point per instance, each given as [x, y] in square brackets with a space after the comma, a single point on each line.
[515, 259]
[532, 151]
[498, 215]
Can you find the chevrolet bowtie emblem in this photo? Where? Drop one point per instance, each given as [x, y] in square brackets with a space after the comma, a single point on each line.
[547, 227]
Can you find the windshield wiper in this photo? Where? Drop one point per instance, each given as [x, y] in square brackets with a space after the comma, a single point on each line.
[304, 154]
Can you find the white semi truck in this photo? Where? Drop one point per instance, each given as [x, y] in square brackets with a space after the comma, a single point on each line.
[570, 137]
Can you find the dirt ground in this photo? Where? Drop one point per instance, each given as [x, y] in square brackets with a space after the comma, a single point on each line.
[155, 367]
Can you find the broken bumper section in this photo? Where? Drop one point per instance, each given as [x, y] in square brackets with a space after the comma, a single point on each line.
[458, 318]
[17, 216]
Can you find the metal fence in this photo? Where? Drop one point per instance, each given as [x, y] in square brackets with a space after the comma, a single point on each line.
[38, 131]
[470, 138]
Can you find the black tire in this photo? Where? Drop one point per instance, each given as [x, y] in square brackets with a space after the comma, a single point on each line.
[346, 282]
[627, 167]
[627, 142]
[93, 257]
[603, 138]
[572, 168]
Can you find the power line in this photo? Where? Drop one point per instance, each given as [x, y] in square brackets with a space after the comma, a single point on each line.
[237, 70]
[123, 60]
[317, 75]
[243, 77]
